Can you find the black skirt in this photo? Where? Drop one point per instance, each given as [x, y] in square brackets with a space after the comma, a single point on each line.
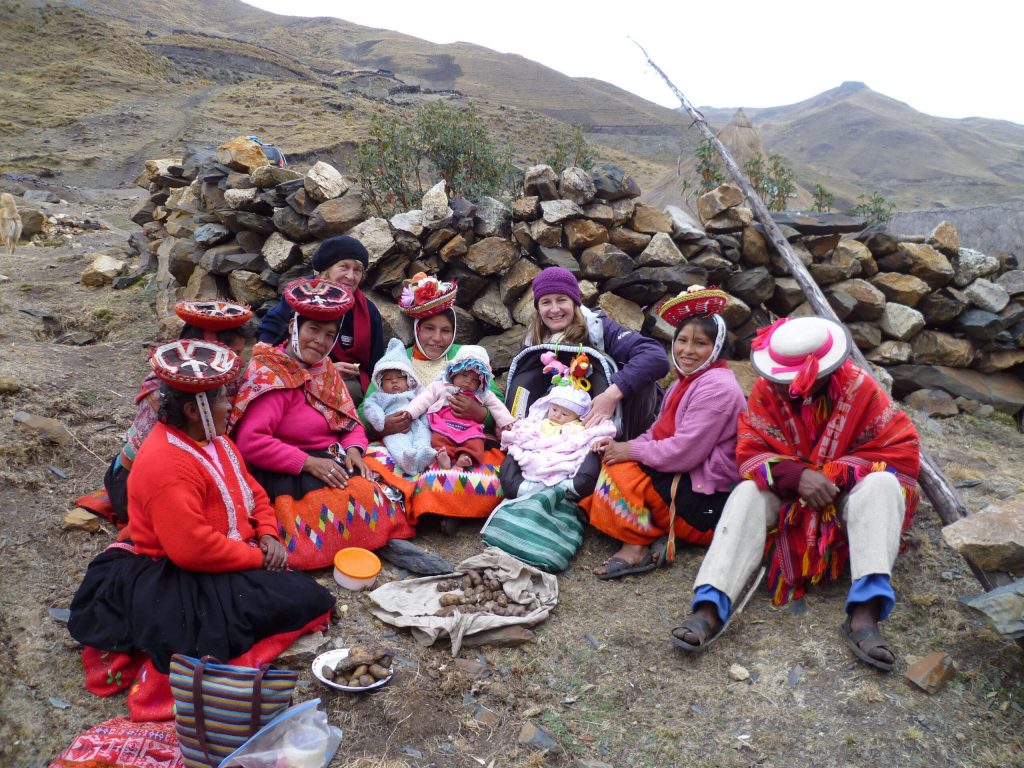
[129, 602]
[701, 511]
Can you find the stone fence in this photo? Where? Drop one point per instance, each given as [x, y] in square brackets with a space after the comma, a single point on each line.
[936, 316]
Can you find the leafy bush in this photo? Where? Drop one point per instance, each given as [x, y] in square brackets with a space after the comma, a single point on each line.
[570, 148]
[403, 157]
[707, 167]
[823, 199]
[876, 208]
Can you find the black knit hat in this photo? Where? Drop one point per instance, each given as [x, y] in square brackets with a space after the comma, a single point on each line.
[334, 249]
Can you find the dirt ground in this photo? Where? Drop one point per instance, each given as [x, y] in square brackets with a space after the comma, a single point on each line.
[600, 678]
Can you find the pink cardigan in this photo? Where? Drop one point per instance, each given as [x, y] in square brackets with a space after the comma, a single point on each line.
[704, 444]
[279, 428]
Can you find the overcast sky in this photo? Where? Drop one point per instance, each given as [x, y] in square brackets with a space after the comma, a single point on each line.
[952, 59]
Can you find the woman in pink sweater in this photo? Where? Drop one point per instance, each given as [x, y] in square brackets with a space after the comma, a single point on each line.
[296, 425]
[673, 479]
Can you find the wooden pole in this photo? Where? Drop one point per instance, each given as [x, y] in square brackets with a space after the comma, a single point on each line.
[940, 492]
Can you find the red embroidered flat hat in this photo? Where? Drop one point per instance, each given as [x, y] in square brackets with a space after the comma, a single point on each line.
[194, 365]
[426, 296]
[695, 300]
[319, 299]
[799, 352]
[216, 315]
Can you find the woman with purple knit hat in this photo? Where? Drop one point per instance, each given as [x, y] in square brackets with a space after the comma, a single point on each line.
[562, 319]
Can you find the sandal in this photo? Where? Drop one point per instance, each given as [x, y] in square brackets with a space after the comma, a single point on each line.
[616, 567]
[699, 627]
[863, 641]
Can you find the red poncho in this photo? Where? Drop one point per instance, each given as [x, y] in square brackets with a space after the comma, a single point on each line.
[862, 432]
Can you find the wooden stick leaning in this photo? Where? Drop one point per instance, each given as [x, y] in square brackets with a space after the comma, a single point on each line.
[941, 493]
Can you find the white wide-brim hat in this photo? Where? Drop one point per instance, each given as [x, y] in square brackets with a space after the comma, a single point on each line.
[788, 344]
[575, 400]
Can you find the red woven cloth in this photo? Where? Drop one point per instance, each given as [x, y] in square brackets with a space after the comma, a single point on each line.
[120, 743]
[861, 431]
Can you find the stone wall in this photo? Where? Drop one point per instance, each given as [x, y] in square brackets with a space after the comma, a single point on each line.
[936, 315]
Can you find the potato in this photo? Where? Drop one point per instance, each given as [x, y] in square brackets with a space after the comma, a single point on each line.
[502, 600]
[447, 610]
[361, 670]
[499, 611]
[474, 577]
[378, 672]
[365, 680]
[385, 661]
[353, 682]
[327, 671]
[466, 582]
[444, 586]
[450, 599]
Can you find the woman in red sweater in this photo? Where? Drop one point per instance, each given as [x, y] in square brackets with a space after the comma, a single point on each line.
[297, 427]
[199, 569]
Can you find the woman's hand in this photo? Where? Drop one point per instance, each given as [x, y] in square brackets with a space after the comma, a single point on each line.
[275, 556]
[328, 471]
[603, 406]
[347, 370]
[354, 463]
[466, 407]
[816, 490]
[399, 421]
[613, 452]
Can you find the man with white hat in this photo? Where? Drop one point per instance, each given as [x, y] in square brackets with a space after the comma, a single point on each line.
[830, 467]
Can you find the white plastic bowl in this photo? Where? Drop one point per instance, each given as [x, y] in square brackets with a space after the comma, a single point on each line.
[353, 585]
[355, 568]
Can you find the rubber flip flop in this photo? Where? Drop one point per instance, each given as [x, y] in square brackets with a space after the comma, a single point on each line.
[616, 567]
[873, 639]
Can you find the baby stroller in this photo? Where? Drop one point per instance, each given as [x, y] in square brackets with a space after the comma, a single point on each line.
[528, 382]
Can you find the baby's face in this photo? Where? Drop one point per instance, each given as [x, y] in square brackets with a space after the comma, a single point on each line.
[560, 415]
[467, 380]
[394, 382]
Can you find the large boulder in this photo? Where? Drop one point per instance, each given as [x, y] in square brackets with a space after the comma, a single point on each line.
[992, 539]
[755, 286]
[755, 248]
[526, 208]
[933, 402]
[629, 240]
[324, 182]
[978, 324]
[718, 200]
[647, 285]
[558, 257]
[241, 154]
[492, 218]
[491, 256]
[942, 306]
[267, 176]
[584, 233]
[292, 224]
[490, 309]
[867, 301]
[410, 222]
[621, 310]
[541, 181]
[503, 347]
[102, 270]
[337, 216]
[375, 235]
[900, 322]
[938, 348]
[1012, 282]
[650, 220]
[557, 211]
[903, 289]
[928, 264]
[612, 183]
[944, 238]
[969, 265]
[209, 235]
[987, 295]
[546, 235]
[994, 360]
[891, 353]
[1003, 391]
[247, 288]
[661, 252]
[280, 253]
[605, 261]
[577, 185]
[517, 280]
[436, 213]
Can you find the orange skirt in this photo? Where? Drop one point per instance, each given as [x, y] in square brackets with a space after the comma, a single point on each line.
[631, 504]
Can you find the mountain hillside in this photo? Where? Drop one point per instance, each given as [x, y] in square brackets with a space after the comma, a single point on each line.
[852, 139]
[95, 87]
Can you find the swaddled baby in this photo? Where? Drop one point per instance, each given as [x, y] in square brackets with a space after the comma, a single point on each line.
[397, 386]
[551, 443]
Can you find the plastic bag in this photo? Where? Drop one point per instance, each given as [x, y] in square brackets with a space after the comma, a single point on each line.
[300, 737]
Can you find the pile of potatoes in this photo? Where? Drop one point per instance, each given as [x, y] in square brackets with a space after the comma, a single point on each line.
[362, 667]
[477, 592]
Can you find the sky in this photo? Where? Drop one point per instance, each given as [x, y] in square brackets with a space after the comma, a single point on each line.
[950, 59]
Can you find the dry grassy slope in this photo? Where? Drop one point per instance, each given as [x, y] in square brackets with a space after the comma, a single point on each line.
[852, 139]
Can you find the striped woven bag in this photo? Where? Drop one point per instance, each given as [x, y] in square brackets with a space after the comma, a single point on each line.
[541, 529]
[218, 707]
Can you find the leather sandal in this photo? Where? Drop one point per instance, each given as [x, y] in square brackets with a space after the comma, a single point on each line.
[863, 641]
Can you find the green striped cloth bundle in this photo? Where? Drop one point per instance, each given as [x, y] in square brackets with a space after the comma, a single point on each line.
[542, 529]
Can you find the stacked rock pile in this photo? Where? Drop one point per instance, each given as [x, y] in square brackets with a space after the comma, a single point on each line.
[936, 315]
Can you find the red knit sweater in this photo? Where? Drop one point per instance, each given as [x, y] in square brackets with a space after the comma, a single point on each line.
[178, 509]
